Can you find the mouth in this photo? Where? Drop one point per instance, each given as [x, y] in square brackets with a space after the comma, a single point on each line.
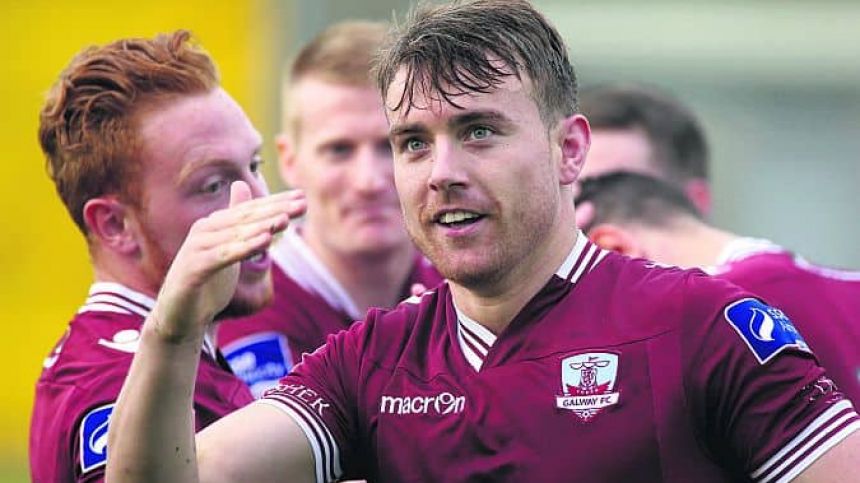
[258, 257]
[257, 262]
[457, 218]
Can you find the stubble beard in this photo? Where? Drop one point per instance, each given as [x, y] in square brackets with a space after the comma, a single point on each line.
[160, 263]
[500, 257]
[243, 306]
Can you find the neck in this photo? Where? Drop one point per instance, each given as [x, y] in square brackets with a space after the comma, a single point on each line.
[127, 273]
[494, 306]
[699, 247]
[371, 280]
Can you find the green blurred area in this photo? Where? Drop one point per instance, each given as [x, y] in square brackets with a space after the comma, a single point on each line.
[14, 471]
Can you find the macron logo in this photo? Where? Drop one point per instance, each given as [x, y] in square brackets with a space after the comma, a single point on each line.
[441, 404]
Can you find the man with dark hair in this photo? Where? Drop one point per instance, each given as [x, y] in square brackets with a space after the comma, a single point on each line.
[641, 129]
[350, 252]
[641, 216]
[543, 358]
[141, 142]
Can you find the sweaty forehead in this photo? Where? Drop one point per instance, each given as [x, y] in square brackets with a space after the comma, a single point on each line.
[409, 99]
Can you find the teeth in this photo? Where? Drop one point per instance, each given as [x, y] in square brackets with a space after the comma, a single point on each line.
[258, 257]
[457, 216]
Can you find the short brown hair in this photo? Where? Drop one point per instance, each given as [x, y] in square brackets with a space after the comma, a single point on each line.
[87, 127]
[680, 147]
[455, 49]
[341, 54]
[626, 197]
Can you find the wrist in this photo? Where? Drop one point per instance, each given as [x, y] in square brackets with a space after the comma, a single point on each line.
[167, 329]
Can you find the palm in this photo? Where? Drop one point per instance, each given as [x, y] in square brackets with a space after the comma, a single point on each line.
[205, 272]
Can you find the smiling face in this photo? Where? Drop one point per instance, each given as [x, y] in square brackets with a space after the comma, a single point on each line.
[341, 158]
[480, 185]
[192, 148]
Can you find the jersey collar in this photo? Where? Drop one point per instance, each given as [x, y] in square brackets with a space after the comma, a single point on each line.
[476, 340]
[741, 248]
[301, 264]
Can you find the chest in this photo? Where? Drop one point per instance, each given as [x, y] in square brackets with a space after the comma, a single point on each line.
[597, 413]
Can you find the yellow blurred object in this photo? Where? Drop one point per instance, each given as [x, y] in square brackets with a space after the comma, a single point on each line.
[46, 271]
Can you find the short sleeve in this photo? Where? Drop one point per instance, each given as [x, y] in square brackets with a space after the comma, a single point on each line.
[319, 394]
[760, 400]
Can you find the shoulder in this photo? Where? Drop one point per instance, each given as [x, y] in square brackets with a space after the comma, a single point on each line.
[95, 340]
[759, 267]
[647, 285]
[385, 334]
[637, 298]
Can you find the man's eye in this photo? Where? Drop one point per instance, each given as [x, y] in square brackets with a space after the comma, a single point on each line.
[214, 186]
[339, 150]
[413, 145]
[256, 163]
[480, 132]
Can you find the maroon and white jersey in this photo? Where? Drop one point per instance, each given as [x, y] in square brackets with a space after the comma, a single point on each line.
[823, 303]
[82, 378]
[617, 370]
[308, 305]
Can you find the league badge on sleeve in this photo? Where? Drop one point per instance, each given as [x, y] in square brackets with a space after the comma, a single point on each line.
[94, 435]
[261, 360]
[765, 329]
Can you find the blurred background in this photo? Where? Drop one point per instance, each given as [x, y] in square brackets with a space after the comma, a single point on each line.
[774, 82]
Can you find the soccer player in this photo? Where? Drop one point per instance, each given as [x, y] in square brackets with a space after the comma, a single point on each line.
[641, 129]
[641, 216]
[141, 142]
[351, 251]
[543, 358]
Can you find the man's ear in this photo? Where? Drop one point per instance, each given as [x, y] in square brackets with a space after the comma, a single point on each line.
[575, 138]
[613, 237]
[698, 190]
[287, 161]
[109, 224]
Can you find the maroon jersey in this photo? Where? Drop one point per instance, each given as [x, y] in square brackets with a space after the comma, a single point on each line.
[617, 370]
[308, 305]
[82, 378]
[823, 303]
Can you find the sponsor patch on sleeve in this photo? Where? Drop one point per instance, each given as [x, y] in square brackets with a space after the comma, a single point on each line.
[260, 360]
[766, 330]
[94, 434]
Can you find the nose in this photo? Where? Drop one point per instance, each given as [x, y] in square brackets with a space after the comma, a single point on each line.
[448, 171]
[257, 182]
[374, 172]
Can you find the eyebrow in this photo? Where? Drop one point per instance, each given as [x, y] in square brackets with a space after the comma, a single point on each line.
[466, 118]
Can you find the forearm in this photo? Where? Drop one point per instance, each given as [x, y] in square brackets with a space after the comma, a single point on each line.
[151, 435]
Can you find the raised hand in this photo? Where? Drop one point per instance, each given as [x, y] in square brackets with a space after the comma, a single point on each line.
[203, 276]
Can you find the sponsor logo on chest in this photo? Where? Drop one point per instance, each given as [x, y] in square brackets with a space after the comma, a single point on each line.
[588, 384]
[260, 360]
[440, 404]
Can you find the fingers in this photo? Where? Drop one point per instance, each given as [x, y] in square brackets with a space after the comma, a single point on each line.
[245, 227]
[240, 249]
[290, 202]
[275, 211]
[239, 193]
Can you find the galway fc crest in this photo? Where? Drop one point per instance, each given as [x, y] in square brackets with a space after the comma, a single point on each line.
[587, 383]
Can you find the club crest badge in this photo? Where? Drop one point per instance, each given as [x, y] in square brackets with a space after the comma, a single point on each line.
[588, 383]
